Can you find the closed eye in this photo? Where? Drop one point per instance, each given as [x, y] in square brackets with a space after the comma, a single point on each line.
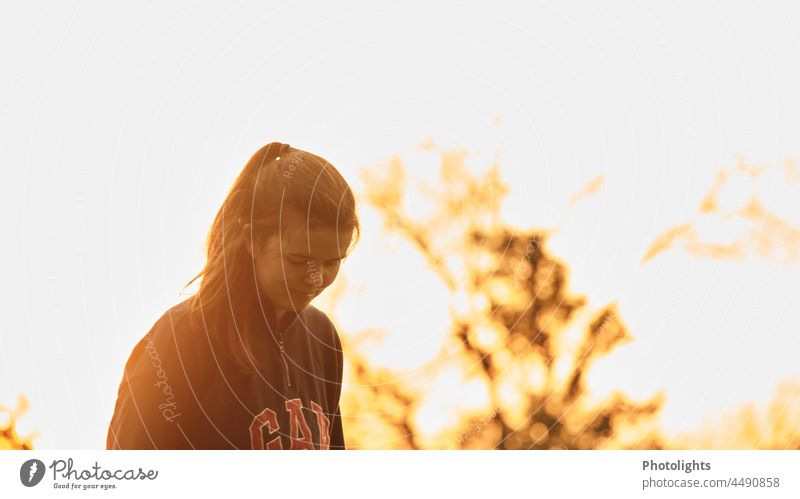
[299, 259]
[307, 260]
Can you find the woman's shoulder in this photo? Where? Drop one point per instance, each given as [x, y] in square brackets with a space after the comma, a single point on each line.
[327, 341]
[174, 325]
[312, 313]
[319, 322]
[318, 319]
[168, 340]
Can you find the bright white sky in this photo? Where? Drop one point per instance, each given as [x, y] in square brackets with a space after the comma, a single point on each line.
[123, 124]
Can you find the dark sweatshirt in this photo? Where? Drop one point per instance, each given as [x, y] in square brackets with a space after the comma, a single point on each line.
[178, 391]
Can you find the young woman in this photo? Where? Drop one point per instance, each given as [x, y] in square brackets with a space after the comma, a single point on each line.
[246, 362]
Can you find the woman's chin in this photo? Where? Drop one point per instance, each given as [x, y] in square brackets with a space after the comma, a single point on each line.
[298, 303]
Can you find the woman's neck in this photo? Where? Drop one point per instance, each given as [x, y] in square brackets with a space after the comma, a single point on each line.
[277, 317]
[284, 318]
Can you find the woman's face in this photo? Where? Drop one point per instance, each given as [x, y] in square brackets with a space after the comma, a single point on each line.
[293, 268]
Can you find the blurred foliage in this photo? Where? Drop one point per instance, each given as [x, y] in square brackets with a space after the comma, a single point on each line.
[750, 210]
[511, 310]
[775, 427]
[9, 439]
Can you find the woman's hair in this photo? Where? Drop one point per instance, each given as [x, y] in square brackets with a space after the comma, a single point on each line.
[277, 179]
